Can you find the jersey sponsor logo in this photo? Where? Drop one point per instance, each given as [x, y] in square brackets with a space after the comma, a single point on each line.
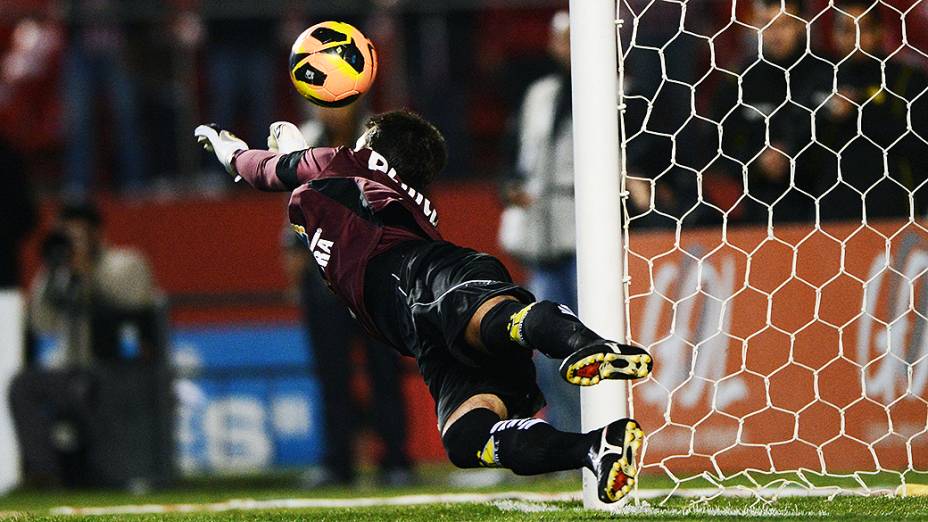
[379, 163]
[319, 246]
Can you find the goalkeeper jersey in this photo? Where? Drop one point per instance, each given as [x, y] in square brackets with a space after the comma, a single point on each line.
[347, 206]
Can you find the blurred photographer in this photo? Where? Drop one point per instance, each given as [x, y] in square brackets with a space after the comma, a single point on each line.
[92, 307]
[83, 290]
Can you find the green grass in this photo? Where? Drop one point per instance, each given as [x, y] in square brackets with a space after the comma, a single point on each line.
[35, 505]
[206, 490]
[787, 509]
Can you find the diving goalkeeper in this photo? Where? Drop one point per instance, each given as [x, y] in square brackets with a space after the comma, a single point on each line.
[364, 217]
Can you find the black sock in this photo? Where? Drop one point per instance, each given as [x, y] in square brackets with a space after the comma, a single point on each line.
[494, 329]
[526, 446]
[532, 446]
[548, 327]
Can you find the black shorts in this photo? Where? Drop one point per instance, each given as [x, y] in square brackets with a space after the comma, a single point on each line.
[421, 296]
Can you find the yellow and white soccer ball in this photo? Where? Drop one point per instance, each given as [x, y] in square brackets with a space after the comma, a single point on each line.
[332, 64]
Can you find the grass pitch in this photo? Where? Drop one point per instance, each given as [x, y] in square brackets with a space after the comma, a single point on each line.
[541, 499]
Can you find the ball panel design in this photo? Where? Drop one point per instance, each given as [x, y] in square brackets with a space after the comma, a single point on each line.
[305, 72]
[332, 64]
[327, 35]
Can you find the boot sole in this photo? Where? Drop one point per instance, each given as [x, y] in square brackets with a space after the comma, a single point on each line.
[596, 363]
[619, 470]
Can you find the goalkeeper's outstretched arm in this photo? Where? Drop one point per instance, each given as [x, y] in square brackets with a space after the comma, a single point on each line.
[288, 164]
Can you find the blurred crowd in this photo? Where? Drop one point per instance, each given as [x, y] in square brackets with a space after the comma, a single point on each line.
[111, 88]
[818, 116]
[101, 95]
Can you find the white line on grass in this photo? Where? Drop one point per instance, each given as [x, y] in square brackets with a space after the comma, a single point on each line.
[510, 500]
[523, 506]
[304, 503]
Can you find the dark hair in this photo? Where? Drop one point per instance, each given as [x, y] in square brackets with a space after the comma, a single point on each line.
[410, 144]
[81, 211]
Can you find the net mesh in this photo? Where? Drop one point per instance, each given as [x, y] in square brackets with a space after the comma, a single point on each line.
[775, 162]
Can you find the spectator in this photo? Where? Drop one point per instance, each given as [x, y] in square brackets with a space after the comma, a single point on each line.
[82, 283]
[96, 63]
[769, 108]
[27, 68]
[541, 190]
[340, 126]
[240, 69]
[95, 303]
[657, 109]
[882, 113]
[332, 331]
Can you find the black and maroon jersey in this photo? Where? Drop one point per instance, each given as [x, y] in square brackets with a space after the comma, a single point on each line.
[347, 206]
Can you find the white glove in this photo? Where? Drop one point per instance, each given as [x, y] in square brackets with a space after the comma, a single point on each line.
[223, 143]
[284, 137]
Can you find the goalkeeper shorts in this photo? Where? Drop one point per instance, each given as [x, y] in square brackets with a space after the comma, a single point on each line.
[421, 295]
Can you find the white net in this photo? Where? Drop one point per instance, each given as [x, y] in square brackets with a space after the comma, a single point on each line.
[775, 169]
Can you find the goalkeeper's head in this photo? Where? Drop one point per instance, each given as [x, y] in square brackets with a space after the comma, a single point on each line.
[410, 144]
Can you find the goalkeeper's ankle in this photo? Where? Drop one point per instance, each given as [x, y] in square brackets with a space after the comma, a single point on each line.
[554, 330]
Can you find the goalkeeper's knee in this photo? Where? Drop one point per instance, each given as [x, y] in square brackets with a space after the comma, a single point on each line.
[466, 440]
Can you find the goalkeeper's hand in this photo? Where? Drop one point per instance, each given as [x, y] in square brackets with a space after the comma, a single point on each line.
[284, 137]
[223, 143]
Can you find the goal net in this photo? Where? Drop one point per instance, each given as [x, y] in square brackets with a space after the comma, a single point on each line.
[775, 163]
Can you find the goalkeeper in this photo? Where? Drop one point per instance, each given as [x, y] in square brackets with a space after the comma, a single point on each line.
[362, 214]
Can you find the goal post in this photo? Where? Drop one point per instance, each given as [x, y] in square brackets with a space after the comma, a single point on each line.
[597, 195]
[775, 242]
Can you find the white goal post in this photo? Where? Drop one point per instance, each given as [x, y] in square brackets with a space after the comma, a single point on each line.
[774, 241]
[597, 188]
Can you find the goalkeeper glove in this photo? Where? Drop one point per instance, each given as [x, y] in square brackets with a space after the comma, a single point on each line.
[285, 137]
[223, 143]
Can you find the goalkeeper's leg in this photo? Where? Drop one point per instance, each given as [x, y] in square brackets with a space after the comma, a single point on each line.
[504, 323]
[475, 436]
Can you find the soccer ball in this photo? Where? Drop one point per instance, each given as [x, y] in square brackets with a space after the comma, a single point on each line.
[332, 64]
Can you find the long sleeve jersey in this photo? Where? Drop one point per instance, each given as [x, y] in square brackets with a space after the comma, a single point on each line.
[347, 206]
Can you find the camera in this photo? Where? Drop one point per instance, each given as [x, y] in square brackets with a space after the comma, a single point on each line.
[57, 249]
